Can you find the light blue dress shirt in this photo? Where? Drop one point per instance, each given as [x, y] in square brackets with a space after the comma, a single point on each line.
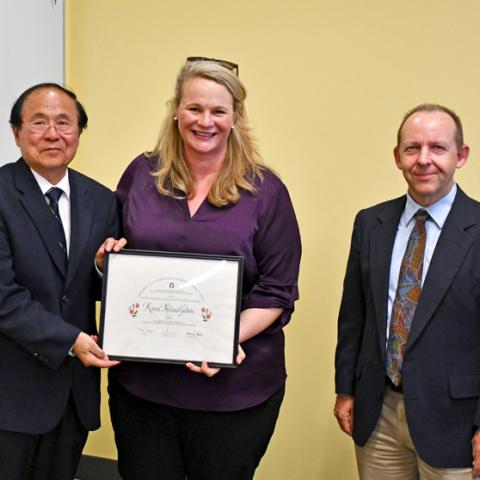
[438, 213]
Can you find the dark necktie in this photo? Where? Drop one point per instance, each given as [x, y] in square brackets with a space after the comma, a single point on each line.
[53, 196]
[406, 298]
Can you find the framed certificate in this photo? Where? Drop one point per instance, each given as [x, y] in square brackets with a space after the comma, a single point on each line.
[171, 307]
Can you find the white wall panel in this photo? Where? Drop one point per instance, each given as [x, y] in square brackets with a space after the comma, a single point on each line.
[31, 51]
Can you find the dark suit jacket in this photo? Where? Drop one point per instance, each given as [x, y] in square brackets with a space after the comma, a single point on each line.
[441, 372]
[43, 308]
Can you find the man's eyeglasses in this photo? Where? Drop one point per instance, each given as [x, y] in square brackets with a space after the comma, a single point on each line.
[224, 63]
[61, 126]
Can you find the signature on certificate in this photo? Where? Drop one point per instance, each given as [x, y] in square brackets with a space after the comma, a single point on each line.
[193, 335]
[167, 333]
[145, 331]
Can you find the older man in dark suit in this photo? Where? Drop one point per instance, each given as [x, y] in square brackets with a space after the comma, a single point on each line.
[52, 221]
[408, 353]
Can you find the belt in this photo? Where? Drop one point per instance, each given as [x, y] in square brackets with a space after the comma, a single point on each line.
[392, 386]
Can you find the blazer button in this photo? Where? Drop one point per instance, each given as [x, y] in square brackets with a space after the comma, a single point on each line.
[379, 394]
[65, 299]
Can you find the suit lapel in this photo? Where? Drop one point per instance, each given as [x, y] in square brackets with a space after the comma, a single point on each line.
[37, 209]
[452, 246]
[380, 253]
[81, 215]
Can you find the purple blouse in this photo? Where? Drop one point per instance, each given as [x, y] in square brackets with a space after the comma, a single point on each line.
[262, 228]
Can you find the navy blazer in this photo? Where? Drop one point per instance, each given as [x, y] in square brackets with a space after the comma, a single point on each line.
[43, 308]
[441, 371]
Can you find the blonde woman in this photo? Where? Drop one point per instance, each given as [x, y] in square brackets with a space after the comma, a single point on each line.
[205, 189]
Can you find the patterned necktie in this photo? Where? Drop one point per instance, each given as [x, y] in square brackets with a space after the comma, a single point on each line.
[53, 196]
[406, 299]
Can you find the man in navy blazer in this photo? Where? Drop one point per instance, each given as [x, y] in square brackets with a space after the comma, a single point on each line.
[427, 426]
[49, 398]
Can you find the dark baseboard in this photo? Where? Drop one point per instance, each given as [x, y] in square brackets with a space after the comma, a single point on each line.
[97, 468]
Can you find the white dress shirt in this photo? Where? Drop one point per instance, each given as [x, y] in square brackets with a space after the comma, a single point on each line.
[63, 201]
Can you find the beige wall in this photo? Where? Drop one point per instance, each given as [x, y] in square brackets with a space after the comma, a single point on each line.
[328, 82]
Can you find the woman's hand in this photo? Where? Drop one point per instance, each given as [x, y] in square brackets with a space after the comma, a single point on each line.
[109, 245]
[211, 371]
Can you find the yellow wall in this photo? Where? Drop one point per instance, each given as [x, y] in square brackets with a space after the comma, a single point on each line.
[328, 81]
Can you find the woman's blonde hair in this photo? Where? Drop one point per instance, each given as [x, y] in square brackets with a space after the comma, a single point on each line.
[243, 163]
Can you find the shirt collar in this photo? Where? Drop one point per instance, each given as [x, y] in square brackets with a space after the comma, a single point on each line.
[438, 211]
[45, 185]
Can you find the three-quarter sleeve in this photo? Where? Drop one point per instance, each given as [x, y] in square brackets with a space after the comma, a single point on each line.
[277, 250]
